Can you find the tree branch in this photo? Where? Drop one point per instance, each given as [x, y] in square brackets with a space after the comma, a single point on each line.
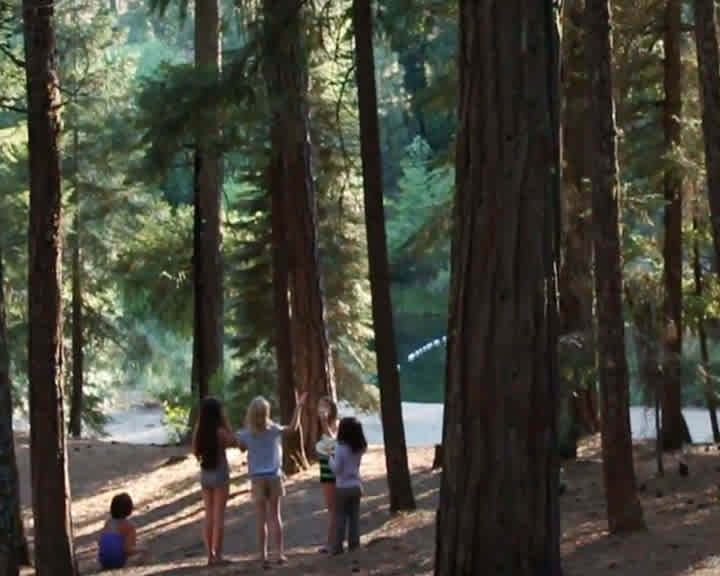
[11, 108]
[14, 59]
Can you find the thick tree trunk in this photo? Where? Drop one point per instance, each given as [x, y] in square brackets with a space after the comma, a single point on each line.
[708, 388]
[675, 432]
[499, 494]
[398, 473]
[294, 458]
[54, 552]
[207, 252]
[11, 542]
[709, 77]
[76, 399]
[623, 507]
[707, 55]
[286, 77]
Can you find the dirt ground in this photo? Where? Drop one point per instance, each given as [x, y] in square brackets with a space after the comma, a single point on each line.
[682, 513]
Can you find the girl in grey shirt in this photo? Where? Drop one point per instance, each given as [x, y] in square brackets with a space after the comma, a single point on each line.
[345, 463]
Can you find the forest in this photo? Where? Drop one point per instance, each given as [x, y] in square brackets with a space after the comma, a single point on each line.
[510, 209]
[127, 176]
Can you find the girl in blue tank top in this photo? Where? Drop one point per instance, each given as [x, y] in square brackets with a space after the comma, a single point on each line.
[118, 539]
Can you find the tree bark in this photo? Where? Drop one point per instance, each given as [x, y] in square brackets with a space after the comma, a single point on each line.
[78, 361]
[54, 551]
[675, 432]
[576, 285]
[708, 388]
[207, 251]
[398, 473]
[499, 494]
[11, 542]
[286, 70]
[294, 458]
[623, 507]
[709, 77]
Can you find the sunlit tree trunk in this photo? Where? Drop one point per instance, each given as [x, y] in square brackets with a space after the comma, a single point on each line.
[54, 552]
[207, 254]
[499, 494]
[623, 507]
[286, 70]
[675, 431]
[398, 473]
[294, 458]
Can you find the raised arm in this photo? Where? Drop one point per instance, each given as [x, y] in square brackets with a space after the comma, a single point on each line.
[295, 420]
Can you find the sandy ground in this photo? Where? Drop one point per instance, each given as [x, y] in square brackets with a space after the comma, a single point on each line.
[683, 515]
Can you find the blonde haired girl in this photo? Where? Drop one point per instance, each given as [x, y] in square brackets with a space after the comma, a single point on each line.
[262, 438]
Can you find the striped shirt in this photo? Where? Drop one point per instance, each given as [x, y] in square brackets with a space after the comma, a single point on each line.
[326, 473]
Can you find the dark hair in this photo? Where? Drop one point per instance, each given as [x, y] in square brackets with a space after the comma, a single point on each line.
[351, 433]
[206, 445]
[121, 506]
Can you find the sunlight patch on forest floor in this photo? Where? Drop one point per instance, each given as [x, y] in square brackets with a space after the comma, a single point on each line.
[683, 514]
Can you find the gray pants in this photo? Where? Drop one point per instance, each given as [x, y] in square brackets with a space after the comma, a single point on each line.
[347, 513]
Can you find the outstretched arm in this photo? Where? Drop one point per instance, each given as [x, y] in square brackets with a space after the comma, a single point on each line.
[295, 421]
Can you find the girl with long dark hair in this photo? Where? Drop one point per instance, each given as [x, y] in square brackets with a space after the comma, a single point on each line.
[345, 463]
[212, 436]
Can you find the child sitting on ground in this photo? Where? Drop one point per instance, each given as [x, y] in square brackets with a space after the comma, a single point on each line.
[118, 539]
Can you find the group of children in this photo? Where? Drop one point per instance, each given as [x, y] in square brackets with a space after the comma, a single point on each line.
[340, 450]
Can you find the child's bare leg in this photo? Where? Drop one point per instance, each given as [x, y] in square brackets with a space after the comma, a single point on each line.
[261, 525]
[218, 532]
[329, 493]
[276, 526]
[208, 523]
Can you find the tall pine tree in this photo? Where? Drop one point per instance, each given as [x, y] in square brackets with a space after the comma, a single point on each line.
[286, 70]
[54, 551]
[675, 430]
[401, 495]
[623, 506]
[207, 255]
[499, 510]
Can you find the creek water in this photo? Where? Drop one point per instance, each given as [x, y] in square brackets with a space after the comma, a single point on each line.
[423, 424]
